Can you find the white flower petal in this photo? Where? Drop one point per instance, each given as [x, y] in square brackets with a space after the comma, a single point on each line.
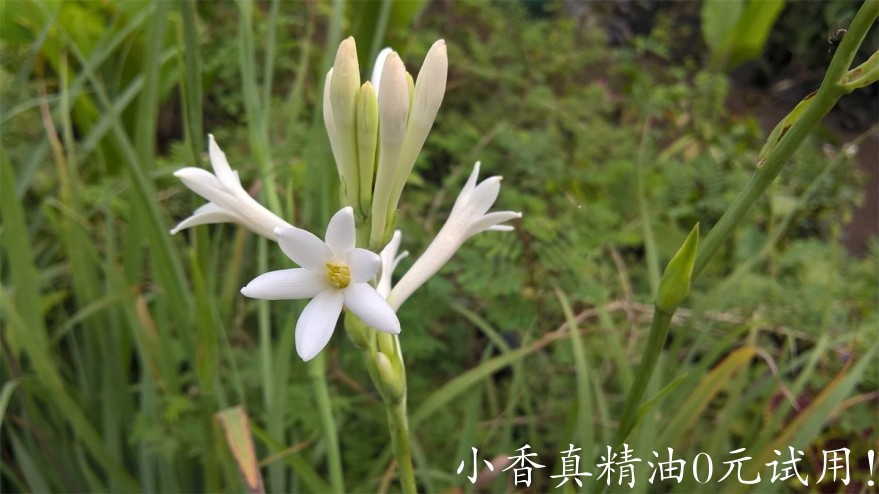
[363, 264]
[484, 195]
[491, 221]
[500, 228]
[304, 248]
[363, 300]
[286, 284]
[341, 235]
[203, 183]
[464, 196]
[221, 166]
[317, 323]
[206, 214]
[377, 68]
[389, 260]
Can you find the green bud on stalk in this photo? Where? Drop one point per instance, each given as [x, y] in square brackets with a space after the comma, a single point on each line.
[675, 283]
[392, 380]
[367, 142]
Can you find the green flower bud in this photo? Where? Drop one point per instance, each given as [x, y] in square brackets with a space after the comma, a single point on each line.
[357, 330]
[675, 284]
[367, 141]
[392, 380]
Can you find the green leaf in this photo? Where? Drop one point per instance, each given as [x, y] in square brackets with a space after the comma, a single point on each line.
[718, 18]
[237, 429]
[753, 29]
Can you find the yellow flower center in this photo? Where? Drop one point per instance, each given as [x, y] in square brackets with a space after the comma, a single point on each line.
[339, 274]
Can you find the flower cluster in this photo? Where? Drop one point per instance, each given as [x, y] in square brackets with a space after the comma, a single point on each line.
[376, 130]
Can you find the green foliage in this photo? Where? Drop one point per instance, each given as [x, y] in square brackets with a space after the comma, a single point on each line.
[120, 344]
[735, 30]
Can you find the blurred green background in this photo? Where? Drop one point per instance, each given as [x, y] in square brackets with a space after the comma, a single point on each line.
[616, 125]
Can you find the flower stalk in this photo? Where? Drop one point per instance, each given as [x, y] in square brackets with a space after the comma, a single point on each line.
[376, 131]
[795, 128]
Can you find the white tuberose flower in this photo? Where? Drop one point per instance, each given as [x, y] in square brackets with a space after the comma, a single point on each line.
[229, 202]
[468, 217]
[333, 274]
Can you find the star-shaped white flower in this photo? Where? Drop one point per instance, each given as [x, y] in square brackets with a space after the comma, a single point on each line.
[229, 202]
[469, 216]
[334, 274]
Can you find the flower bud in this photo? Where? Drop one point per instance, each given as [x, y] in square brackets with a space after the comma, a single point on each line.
[357, 330]
[393, 110]
[344, 86]
[367, 134]
[392, 380]
[675, 284]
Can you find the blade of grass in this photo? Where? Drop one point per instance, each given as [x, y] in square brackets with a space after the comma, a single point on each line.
[303, 469]
[5, 397]
[191, 86]
[809, 422]
[688, 412]
[30, 328]
[585, 435]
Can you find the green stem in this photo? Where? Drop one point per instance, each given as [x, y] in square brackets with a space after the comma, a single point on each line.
[391, 385]
[832, 88]
[398, 423]
[318, 375]
[828, 94]
[658, 331]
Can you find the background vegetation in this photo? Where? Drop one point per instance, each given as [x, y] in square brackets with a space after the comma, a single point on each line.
[610, 125]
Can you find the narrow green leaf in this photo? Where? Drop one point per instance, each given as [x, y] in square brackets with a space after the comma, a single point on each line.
[716, 380]
[237, 429]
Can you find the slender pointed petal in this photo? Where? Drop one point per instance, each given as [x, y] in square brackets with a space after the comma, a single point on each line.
[206, 214]
[491, 221]
[304, 248]
[286, 284]
[389, 259]
[466, 191]
[341, 235]
[202, 182]
[484, 195]
[363, 300]
[221, 165]
[317, 323]
[363, 264]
